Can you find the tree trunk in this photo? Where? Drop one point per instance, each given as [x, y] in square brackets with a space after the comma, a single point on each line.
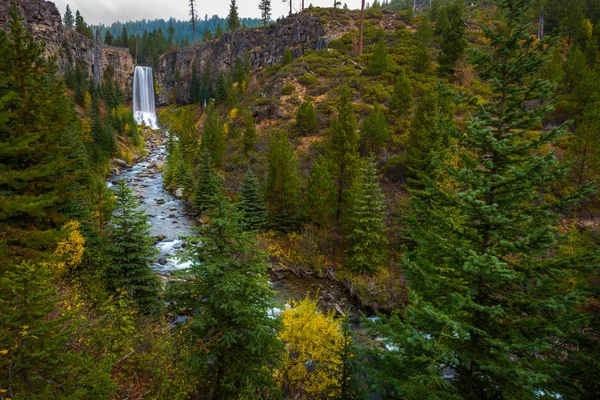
[360, 33]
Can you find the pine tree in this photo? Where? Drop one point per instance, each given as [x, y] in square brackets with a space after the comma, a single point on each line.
[205, 87]
[306, 118]
[232, 298]
[365, 222]
[401, 100]
[252, 204]
[489, 297]
[221, 88]
[249, 138]
[208, 185]
[68, 19]
[584, 148]
[81, 26]
[379, 63]
[42, 158]
[283, 184]
[233, 19]
[213, 137]
[373, 132]
[218, 31]
[193, 17]
[108, 39]
[194, 87]
[426, 140]
[130, 249]
[421, 58]
[320, 194]
[451, 26]
[342, 149]
[38, 359]
[265, 11]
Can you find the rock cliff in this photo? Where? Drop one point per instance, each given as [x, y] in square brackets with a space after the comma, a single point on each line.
[44, 21]
[299, 32]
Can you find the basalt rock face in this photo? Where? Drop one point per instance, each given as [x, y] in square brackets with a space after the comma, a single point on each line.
[300, 32]
[44, 22]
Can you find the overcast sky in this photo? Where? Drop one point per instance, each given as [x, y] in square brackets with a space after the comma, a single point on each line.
[109, 11]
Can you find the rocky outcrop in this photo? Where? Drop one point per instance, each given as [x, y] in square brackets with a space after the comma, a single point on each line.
[300, 32]
[44, 22]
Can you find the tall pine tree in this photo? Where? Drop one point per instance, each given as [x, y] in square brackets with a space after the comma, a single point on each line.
[233, 19]
[365, 222]
[232, 299]
[208, 185]
[130, 249]
[213, 136]
[252, 204]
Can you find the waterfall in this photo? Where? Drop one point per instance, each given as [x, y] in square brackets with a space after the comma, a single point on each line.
[143, 97]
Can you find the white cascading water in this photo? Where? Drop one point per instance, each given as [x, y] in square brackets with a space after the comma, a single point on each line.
[143, 97]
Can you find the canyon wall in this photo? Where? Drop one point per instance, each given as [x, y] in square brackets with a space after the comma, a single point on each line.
[43, 20]
[299, 32]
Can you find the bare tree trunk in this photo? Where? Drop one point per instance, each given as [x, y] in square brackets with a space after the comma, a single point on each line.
[360, 33]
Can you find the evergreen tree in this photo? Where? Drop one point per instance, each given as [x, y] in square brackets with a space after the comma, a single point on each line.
[306, 118]
[108, 39]
[373, 132]
[265, 11]
[38, 359]
[401, 100]
[218, 31]
[421, 58]
[208, 185]
[207, 35]
[379, 62]
[365, 223]
[252, 204]
[205, 87]
[320, 194]
[193, 18]
[129, 249]
[249, 138]
[81, 26]
[213, 137]
[194, 87]
[342, 149]
[283, 184]
[233, 19]
[451, 26]
[221, 88]
[232, 298]
[426, 140]
[584, 148]
[42, 158]
[489, 297]
[68, 19]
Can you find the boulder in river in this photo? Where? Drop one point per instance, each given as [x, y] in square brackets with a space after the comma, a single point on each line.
[162, 261]
[179, 193]
[120, 163]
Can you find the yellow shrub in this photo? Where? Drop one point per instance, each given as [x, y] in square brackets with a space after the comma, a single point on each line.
[70, 250]
[312, 364]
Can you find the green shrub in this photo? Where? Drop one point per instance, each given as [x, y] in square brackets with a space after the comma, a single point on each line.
[308, 80]
[288, 89]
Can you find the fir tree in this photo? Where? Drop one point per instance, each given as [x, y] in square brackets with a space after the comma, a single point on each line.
[213, 137]
[252, 204]
[130, 249]
[205, 87]
[233, 19]
[365, 222]
[283, 184]
[401, 100]
[208, 185]
[218, 31]
[490, 298]
[379, 63]
[41, 152]
[426, 140]
[342, 149]
[194, 87]
[193, 17]
[232, 298]
[38, 359]
[421, 58]
[306, 118]
[108, 39]
[451, 26]
[249, 138]
[320, 194]
[265, 11]
[221, 88]
[68, 19]
[81, 26]
[373, 132]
